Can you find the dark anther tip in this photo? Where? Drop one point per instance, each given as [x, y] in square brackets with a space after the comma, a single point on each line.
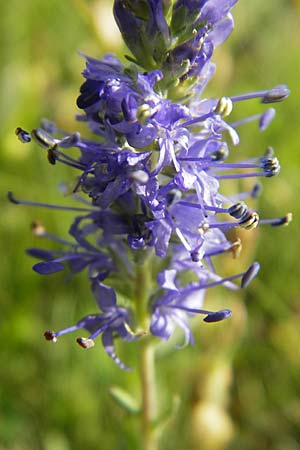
[50, 336]
[250, 274]
[11, 198]
[85, 342]
[51, 155]
[218, 316]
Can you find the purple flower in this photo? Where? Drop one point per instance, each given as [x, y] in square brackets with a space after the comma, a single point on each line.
[112, 323]
[116, 104]
[174, 308]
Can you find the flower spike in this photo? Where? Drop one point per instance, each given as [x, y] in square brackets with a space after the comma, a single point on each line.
[149, 179]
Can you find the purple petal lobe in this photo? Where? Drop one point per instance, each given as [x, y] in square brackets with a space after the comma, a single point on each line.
[105, 295]
[39, 253]
[108, 344]
[46, 268]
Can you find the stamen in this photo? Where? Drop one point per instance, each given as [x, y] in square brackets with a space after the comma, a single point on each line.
[256, 190]
[219, 155]
[266, 118]
[212, 316]
[236, 248]
[281, 221]
[277, 94]
[218, 316]
[138, 333]
[238, 210]
[183, 240]
[50, 336]
[228, 280]
[270, 166]
[237, 176]
[42, 138]
[250, 274]
[52, 155]
[140, 176]
[196, 119]
[85, 342]
[197, 253]
[249, 220]
[204, 207]
[224, 106]
[12, 199]
[37, 228]
[23, 135]
[70, 141]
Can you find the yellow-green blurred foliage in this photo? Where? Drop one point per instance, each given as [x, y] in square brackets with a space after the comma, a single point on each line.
[240, 384]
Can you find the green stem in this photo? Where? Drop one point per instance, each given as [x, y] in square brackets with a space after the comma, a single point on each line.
[148, 393]
[142, 291]
[143, 280]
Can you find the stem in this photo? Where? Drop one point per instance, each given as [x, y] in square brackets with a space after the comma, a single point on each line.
[148, 391]
[143, 280]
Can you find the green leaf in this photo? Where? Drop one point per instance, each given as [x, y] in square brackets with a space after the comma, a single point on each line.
[124, 399]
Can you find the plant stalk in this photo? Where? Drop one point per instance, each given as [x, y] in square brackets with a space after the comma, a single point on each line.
[148, 394]
[148, 437]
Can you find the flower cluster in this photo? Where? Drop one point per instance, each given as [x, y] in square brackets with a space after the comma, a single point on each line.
[149, 181]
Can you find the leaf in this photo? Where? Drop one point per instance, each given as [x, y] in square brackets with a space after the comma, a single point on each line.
[124, 399]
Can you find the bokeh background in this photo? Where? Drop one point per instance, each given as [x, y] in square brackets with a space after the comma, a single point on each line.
[240, 385]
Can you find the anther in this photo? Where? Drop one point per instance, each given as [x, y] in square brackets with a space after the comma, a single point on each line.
[42, 138]
[144, 112]
[238, 210]
[276, 94]
[269, 153]
[23, 135]
[250, 220]
[236, 248]
[140, 176]
[218, 316]
[173, 196]
[196, 255]
[219, 155]
[138, 333]
[266, 118]
[50, 336]
[250, 274]
[85, 342]
[52, 155]
[256, 190]
[281, 221]
[37, 228]
[224, 106]
[12, 199]
[270, 166]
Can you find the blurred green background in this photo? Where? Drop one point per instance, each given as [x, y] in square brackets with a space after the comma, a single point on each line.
[240, 384]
